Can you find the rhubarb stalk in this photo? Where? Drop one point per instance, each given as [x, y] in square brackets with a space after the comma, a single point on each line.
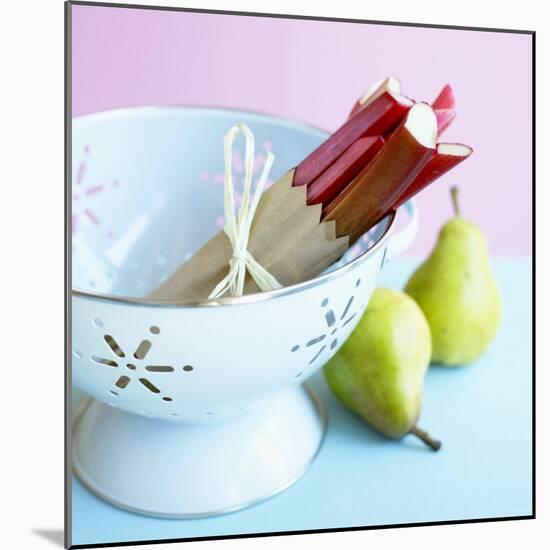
[447, 156]
[444, 107]
[389, 84]
[327, 186]
[377, 118]
[375, 190]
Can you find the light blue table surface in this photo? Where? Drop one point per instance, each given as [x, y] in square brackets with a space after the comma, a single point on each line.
[481, 412]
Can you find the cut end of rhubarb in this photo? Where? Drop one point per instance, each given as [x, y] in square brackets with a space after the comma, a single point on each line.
[389, 84]
[421, 122]
[402, 99]
[454, 149]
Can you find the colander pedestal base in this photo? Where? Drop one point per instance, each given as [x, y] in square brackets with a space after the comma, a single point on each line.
[174, 469]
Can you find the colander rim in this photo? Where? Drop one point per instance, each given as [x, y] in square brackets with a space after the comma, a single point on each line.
[230, 300]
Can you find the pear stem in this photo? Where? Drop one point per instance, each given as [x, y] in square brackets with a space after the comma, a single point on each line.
[434, 444]
[454, 195]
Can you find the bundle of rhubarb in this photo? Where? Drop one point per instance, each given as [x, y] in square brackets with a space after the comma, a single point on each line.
[385, 153]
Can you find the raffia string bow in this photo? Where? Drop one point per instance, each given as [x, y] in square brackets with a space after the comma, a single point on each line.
[237, 226]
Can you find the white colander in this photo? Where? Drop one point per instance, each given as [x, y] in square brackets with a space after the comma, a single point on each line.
[196, 408]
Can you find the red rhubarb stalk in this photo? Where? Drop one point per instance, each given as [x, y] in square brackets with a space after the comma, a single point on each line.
[447, 156]
[445, 99]
[389, 84]
[327, 186]
[444, 119]
[377, 187]
[445, 109]
[377, 118]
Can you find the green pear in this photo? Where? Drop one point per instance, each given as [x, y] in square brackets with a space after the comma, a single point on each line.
[379, 371]
[458, 293]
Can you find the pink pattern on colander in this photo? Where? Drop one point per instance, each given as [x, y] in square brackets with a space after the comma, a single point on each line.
[83, 193]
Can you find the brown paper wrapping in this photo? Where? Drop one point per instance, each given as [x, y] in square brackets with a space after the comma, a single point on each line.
[287, 238]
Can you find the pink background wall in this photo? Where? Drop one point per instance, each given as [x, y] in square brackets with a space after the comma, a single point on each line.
[313, 71]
